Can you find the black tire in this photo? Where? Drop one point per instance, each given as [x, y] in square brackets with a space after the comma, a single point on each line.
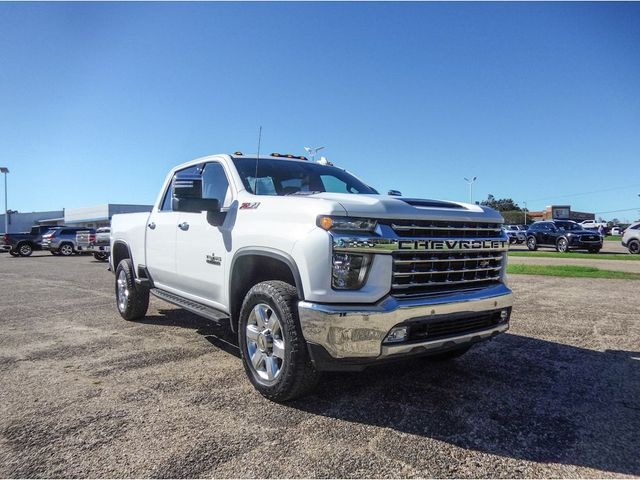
[532, 243]
[449, 355]
[134, 303]
[66, 249]
[25, 249]
[562, 245]
[100, 256]
[296, 375]
[634, 247]
[13, 253]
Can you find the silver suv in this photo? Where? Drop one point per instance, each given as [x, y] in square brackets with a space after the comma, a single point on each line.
[631, 238]
[62, 241]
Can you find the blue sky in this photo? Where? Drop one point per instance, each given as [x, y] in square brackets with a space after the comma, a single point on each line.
[539, 100]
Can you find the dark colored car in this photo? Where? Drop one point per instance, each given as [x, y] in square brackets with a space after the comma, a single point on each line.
[62, 241]
[564, 235]
[24, 244]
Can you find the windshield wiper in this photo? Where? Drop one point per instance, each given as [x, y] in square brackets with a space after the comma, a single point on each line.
[302, 193]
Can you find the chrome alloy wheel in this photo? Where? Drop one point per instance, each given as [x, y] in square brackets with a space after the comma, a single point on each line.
[562, 245]
[123, 291]
[66, 249]
[265, 343]
[25, 249]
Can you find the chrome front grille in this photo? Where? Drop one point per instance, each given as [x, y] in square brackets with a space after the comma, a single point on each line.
[422, 273]
[442, 229]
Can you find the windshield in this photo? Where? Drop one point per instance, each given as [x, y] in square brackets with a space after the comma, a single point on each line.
[568, 226]
[286, 177]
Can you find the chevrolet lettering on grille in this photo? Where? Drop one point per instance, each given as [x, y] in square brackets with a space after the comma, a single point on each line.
[452, 245]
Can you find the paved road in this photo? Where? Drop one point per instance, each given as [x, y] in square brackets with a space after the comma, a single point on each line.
[86, 394]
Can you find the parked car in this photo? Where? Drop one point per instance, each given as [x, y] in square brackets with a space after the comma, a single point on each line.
[564, 235]
[616, 231]
[593, 225]
[96, 243]
[24, 244]
[312, 268]
[631, 238]
[515, 234]
[62, 241]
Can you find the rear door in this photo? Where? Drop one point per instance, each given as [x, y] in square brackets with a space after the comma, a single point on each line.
[161, 234]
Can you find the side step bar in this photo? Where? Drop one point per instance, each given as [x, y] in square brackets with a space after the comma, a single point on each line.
[194, 307]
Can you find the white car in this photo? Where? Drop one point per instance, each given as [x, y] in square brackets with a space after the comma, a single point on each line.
[312, 268]
[615, 231]
[592, 224]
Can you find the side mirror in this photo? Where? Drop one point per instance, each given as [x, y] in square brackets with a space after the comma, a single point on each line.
[394, 193]
[195, 205]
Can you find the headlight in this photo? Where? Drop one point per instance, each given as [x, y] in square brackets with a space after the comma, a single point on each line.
[346, 224]
[349, 272]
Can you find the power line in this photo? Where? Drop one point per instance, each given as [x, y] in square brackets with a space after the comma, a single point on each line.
[584, 193]
[616, 211]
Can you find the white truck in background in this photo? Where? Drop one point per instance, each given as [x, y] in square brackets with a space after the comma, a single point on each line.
[312, 268]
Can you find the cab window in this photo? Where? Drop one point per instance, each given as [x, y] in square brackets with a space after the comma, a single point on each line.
[168, 195]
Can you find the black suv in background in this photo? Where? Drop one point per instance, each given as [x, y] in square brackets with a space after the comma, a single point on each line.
[564, 235]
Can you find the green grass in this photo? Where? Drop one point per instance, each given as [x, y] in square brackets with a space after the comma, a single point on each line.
[570, 271]
[590, 256]
[613, 238]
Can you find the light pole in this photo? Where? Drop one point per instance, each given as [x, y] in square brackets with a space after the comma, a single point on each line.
[470, 182]
[312, 151]
[5, 170]
[525, 213]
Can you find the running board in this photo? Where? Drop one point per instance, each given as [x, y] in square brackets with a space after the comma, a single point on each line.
[194, 307]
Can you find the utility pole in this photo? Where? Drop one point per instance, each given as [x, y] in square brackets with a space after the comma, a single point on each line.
[525, 213]
[5, 170]
[470, 182]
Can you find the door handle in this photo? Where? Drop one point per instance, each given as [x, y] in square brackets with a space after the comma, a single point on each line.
[183, 226]
[152, 226]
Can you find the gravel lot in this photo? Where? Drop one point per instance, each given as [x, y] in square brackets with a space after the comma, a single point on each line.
[86, 394]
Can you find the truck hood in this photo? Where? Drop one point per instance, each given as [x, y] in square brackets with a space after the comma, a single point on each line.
[384, 206]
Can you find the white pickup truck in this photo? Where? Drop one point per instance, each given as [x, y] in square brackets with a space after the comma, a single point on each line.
[313, 269]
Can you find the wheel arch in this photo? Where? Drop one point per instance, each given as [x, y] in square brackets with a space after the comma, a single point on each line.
[253, 265]
[119, 252]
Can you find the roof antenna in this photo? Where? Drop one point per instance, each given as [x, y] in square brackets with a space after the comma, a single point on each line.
[255, 188]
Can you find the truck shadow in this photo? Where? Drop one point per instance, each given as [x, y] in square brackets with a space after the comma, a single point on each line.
[517, 397]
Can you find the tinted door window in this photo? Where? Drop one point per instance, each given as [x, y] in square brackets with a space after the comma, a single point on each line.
[168, 195]
[215, 183]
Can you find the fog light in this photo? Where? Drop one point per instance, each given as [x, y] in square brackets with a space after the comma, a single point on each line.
[397, 334]
[504, 314]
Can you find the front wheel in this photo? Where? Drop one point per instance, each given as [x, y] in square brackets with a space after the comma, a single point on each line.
[274, 352]
[634, 247]
[132, 301]
[66, 250]
[532, 244]
[562, 245]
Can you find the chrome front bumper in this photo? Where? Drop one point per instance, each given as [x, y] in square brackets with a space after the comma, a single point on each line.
[358, 331]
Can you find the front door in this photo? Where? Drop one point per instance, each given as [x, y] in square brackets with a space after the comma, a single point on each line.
[203, 242]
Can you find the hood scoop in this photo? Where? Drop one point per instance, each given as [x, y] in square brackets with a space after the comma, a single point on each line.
[416, 202]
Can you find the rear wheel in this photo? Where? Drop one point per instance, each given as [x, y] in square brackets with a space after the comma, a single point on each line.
[562, 245]
[13, 253]
[532, 244]
[634, 247]
[100, 256]
[132, 301]
[66, 249]
[25, 249]
[274, 352]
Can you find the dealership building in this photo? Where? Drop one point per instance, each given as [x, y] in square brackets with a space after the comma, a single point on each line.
[560, 212]
[90, 217]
